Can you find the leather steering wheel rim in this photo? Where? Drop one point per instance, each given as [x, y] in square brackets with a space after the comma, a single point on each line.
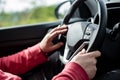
[97, 35]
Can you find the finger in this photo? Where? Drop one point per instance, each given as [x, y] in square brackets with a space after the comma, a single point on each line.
[56, 46]
[83, 51]
[58, 28]
[54, 29]
[95, 54]
[56, 33]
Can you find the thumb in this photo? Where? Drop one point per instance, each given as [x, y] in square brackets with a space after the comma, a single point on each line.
[56, 46]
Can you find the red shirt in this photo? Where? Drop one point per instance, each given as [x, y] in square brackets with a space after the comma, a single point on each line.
[27, 59]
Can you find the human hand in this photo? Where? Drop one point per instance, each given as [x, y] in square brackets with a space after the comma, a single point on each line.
[47, 45]
[87, 61]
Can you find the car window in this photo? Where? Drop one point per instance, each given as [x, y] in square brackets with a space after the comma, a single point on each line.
[21, 12]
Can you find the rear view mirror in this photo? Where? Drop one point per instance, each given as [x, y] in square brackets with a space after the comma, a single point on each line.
[61, 9]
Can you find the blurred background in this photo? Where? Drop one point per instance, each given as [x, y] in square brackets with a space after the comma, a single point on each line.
[20, 12]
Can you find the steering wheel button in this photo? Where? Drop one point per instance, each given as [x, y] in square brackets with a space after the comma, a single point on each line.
[87, 37]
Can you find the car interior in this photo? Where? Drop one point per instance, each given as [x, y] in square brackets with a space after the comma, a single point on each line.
[97, 24]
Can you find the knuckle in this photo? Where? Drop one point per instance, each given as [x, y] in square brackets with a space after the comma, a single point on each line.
[98, 52]
[95, 61]
[95, 68]
[56, 33]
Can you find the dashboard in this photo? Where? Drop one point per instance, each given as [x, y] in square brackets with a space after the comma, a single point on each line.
[112, 1]
[111, 45]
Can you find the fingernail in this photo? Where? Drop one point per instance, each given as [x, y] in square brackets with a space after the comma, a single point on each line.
[58, 25]
[83, 50]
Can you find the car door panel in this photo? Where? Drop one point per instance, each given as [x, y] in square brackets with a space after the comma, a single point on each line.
[17, 38]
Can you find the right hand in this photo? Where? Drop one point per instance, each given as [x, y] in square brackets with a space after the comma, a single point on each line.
[87, 61]
[46, 45]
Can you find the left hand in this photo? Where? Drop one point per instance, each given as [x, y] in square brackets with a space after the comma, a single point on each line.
[87, 61]
[47, 45]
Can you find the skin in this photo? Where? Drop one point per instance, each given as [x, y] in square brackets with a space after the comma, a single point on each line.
[86, 60]
[46, 44]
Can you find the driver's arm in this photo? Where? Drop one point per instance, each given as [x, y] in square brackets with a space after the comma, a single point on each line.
[72, 71]
[27, 59]
[81, 67]
[23, 61]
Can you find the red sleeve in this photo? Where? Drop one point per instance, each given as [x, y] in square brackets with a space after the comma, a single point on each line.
[72, 71]
[22, 61]
[8, 76]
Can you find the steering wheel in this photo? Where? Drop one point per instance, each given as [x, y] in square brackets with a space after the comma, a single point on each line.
[88, 33]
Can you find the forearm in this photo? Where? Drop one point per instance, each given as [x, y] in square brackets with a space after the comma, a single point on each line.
[72, 71]
[22, 61]
[8, 76]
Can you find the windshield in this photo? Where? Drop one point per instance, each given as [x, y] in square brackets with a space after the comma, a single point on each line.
[21, 12]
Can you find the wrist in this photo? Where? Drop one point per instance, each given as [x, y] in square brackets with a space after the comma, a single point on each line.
[42, 51]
